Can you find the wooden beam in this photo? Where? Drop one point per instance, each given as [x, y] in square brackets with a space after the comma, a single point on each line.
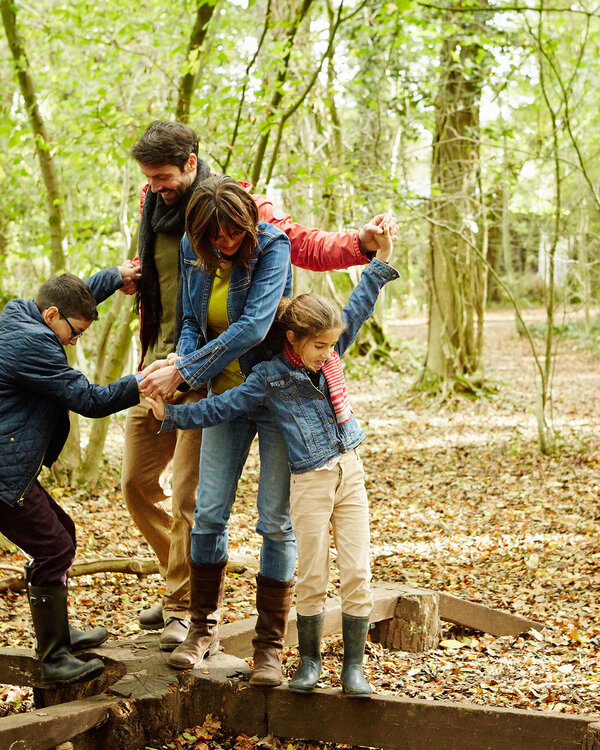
[398, 723]
[236, 637]
[19, 666]
[486, 619]
[48, 727]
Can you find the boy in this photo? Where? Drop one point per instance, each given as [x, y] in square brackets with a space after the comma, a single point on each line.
[37, 389]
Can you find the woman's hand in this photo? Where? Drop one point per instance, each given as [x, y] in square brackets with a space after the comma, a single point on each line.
[384, 244]
[162, 381]
[158, 406]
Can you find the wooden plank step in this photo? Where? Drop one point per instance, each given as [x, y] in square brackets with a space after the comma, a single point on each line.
[394, 723]
[480, 617]
[47, 727]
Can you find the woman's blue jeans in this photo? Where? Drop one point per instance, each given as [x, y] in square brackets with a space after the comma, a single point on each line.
[224, 452]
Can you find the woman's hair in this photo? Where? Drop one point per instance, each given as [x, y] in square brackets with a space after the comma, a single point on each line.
[220, 203]
[306, 316]
[70, 295]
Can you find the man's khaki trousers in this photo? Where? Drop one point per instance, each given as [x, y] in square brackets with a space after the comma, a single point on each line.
[148, 458]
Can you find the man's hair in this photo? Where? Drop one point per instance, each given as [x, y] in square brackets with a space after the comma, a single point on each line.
[165, 143]
[70, 295]
[220, 202]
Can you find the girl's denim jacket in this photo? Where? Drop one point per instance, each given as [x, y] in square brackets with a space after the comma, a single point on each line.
[252, 300]
[303, 412]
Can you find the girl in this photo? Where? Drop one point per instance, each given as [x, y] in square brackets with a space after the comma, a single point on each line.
[304, 389]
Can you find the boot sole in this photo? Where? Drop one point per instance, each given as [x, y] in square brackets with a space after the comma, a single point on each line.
[88, 676]
[357, 695]
[211, 652]
[157, 626]
[264, 683]
[301, 690]
[89, 646]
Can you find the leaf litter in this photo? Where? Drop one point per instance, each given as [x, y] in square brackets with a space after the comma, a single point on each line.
[461, 501]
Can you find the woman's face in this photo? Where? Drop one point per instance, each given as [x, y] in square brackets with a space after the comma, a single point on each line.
[228, 241]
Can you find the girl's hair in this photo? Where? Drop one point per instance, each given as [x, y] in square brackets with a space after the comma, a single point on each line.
[306, 316]
[220, 203]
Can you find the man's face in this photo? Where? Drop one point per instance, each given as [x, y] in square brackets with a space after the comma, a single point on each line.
[170, 181]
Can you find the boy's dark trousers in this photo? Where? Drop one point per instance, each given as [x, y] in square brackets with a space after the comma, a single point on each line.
[42, 529]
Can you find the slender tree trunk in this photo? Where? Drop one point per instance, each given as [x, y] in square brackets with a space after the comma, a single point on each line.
[282, 73]
[42, 142]
[189, 79]
[457, 273]
[114, 363]
[583, 226]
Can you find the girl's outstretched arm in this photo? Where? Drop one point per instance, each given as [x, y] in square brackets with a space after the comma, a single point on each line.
[363, 299]
[212, 410]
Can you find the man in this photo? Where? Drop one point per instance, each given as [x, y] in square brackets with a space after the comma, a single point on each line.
[167, 153]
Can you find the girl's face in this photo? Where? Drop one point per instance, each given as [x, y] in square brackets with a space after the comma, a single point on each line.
[228, 241]
[314, 351]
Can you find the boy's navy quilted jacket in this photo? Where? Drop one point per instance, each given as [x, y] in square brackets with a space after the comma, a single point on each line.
[38, 387]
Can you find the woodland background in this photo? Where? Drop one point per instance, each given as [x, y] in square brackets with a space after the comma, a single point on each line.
[475, 123]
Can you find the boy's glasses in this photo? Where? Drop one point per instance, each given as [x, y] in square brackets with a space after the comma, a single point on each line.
[75, 333]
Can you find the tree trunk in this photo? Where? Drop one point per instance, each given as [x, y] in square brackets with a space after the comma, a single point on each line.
[42, 142]
[116, 356]
[282, 73]
[457, 273]
[187, 85]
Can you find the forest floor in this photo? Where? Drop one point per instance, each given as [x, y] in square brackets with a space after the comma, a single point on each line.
[461, 501]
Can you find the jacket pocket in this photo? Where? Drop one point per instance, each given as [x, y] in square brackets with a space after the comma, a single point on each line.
[284, 389]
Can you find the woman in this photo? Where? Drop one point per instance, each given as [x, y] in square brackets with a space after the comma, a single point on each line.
[235, 270]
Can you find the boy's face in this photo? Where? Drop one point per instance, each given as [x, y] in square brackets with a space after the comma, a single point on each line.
[68, 330]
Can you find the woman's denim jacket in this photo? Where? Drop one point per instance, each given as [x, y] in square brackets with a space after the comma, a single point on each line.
[252, 300]
[304, 412]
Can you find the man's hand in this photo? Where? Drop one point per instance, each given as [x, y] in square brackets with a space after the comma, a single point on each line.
[374, 228]
[156, 365]
[158, 407]
[161, 382]
[131, 274]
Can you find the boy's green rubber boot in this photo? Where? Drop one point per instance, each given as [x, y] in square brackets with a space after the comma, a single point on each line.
[48, 606]
[310, 630]
[81, 640]
[354, 631]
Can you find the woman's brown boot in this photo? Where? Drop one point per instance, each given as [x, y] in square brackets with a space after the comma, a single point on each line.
[273, 602]
[207, 583]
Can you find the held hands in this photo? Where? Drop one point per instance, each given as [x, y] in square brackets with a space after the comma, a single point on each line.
[373, 230]
[131, 274]
[158, 406]
[161, 378]
[160, 381]
[384, 242]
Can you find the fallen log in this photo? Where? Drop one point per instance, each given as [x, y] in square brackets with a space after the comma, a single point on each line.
[134, 566]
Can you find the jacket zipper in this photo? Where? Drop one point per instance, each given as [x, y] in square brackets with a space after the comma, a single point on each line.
[31, 481]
